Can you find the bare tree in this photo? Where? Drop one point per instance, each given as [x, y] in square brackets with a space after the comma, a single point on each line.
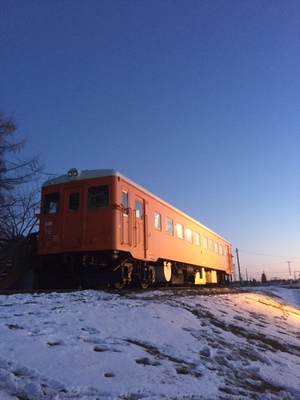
[17, 198]
[18, 216]
[13, 170]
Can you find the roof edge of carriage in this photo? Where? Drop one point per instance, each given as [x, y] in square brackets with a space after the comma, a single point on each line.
[76, 175]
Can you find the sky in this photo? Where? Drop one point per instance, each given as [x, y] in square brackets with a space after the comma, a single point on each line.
[197, 101]
[95, 345]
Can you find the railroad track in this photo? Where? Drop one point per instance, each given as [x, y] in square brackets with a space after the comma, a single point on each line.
[35, 291]
[175, 290]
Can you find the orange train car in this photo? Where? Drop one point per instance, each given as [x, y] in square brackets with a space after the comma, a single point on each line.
[98, 227]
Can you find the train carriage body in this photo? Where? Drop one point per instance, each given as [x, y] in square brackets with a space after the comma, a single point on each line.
[100, 227]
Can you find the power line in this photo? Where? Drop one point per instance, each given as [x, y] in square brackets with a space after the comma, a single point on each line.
[264, 265]
[267, 255]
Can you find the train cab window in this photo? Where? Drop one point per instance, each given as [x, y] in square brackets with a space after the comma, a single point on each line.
[197, 238]
[139, 209]
[74, 202]
[125, 202]
[51, 203]
[189, 235]
[179, 230]
[205, 242]
[98, 197]
[169, 226]
[157, 220]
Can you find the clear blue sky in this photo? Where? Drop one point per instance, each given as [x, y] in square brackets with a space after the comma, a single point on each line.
[197, 101]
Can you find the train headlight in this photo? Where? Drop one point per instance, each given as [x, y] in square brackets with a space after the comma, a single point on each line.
[73, 173]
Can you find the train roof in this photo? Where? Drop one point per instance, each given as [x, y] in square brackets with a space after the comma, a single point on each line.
[76, 175]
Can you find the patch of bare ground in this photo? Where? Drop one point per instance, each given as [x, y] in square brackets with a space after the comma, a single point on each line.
[265, 342]
[182, 367]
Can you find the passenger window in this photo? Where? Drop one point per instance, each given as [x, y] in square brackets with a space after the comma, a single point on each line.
[216, 247]
[157, 220]
[74, 202]
[51, 203]
[205, 243]
[189, 235]
[197, 239]
[211, 247]
[125, 202]
[139, 209]
[169, 226]
[179, 230]
[98, 197]
[221, 250]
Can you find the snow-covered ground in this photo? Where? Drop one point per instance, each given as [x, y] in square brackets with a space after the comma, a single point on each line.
[153, 345]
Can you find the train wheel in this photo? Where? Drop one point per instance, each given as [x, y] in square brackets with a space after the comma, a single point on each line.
[144, 285]
[119, 284]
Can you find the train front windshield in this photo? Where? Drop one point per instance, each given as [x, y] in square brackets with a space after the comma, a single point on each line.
[51, 203]
[97, 197]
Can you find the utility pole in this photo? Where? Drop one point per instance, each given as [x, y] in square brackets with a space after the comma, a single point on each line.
[234, 276]
[290, 273]
[238, 263]
[295, 276]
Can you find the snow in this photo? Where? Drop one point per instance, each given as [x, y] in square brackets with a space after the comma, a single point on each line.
[161, 344]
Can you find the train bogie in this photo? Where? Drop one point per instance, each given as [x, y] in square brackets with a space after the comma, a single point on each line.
[100, 226]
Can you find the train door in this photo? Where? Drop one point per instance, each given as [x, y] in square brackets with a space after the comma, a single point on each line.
[126, 223]
[73, 218]
[140, 227]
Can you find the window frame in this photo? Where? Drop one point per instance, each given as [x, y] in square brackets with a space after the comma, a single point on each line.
[189, 235]
[169, 226]
[139, 209]
[216, 247]
[74, 203]
[94, 202]
[125, 202]
[179, 231]
[157, 220]
[51, 206]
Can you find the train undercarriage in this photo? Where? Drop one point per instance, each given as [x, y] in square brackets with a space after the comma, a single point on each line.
[117, 269]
